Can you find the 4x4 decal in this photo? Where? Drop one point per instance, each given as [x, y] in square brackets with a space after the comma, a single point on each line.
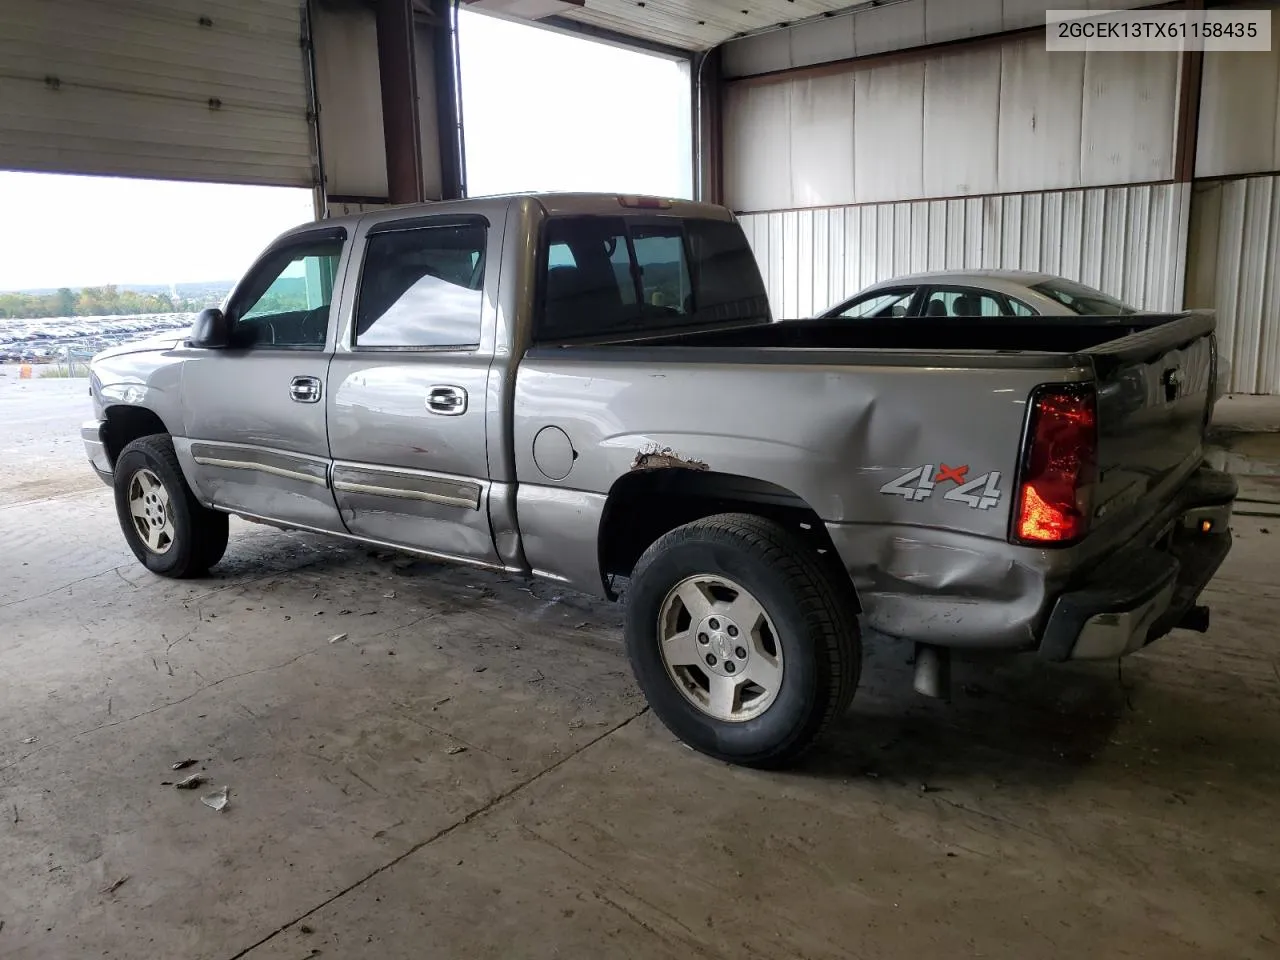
[980, 493]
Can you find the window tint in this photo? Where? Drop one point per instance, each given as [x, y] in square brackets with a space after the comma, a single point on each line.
[615, 274]
[1019, 308]
[962, 303]
[1080, 299]
[285, 300]
[422, 287]
[559, 255]
[889, 303]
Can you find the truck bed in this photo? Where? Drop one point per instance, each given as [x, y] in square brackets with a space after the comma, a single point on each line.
[1065, 335]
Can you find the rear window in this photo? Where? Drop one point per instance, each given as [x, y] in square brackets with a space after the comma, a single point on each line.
[1083, 300]
[605, 275]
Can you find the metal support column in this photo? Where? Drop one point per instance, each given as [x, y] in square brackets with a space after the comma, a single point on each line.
[453, 169]
[708, 128]
[396, 71]
[1190, 72]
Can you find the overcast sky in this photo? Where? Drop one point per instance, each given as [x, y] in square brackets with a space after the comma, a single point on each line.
[542, 111]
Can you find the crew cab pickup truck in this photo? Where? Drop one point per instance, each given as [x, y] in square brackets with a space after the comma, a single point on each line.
[590, 389]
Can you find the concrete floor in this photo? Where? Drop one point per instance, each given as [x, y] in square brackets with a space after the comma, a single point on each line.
[1048, 812]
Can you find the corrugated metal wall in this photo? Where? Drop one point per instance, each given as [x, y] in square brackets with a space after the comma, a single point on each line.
[1233, 255]
[999, 119]
[1240, 110]
[876, 29]
[1127, 241]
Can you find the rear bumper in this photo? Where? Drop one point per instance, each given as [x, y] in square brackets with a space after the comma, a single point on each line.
[1142, 592]
[91, 434]
[956, 590]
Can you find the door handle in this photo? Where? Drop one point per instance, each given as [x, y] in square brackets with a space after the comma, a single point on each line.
[448, 401]
[305, 389]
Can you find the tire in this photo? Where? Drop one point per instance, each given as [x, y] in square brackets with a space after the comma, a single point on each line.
[188, 538]
[807, 621]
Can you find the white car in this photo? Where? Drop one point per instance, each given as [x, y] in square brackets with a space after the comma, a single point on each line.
[988, 293]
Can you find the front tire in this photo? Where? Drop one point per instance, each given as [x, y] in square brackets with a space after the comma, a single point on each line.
[744, 642]
[166, 527]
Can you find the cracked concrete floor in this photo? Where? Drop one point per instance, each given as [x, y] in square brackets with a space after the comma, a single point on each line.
[471, 773]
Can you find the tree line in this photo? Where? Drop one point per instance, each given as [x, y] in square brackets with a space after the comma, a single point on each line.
[87, 302]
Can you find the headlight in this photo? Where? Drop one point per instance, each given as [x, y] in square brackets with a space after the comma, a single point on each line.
[123, 393]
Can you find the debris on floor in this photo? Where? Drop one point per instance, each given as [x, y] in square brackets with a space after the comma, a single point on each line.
[480, 669]
[337, 638]
[390, 595]
[30, 740]
[191, 782]
[218, 800]
[453, 751]
[183, 764]
[117, 885]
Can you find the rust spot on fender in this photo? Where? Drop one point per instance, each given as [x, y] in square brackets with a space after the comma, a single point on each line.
[664, 458]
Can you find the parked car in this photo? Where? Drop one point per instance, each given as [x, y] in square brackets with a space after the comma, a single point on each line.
[990, 293]
[590, 389]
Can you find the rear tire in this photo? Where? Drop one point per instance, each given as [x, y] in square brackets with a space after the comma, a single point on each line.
[166, 527]
[737, 603]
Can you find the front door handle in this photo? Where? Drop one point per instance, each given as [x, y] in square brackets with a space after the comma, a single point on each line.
[448, 401]
[305, 389]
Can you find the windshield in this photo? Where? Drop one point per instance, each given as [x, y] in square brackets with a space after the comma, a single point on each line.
[637, 274]
[1083, 300]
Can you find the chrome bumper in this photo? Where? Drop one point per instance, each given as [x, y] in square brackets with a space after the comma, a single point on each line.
[91, 434]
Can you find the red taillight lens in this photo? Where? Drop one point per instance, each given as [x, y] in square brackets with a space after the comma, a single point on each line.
[1059, 466]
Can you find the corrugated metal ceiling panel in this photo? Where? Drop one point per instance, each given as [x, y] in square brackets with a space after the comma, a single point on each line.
[183, 89]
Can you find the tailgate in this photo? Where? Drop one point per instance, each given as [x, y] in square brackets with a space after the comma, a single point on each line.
[1154, 399]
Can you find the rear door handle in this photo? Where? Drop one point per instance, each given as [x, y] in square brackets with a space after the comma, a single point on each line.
[446, 400]
[305, 389]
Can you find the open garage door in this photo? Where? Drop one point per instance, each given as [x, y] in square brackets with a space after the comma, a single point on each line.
[173, 89]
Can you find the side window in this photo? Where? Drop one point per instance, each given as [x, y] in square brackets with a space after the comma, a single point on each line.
[888, 303]
[962, 303]
[620, 257]
[559, 255]
[607, 274]
[1019, 309]
[664, 272]
[285, 302]
[642, 274]
[422, 287]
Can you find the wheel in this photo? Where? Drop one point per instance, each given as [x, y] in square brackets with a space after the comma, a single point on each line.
[744, 642]
[166, 527]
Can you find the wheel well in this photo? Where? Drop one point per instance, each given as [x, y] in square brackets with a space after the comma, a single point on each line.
[125, 425]
[644, 505]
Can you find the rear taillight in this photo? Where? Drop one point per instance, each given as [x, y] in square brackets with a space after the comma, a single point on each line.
[1059, 466]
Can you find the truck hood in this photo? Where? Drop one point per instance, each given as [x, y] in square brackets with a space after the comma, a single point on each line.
[160, 341]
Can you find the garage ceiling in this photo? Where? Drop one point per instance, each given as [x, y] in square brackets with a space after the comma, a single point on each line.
[176, 89]
[684, 24]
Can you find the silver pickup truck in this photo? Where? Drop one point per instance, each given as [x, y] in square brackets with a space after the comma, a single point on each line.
[591, 389]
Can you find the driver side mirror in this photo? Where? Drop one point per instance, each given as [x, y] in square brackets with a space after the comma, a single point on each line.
[211, 330]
